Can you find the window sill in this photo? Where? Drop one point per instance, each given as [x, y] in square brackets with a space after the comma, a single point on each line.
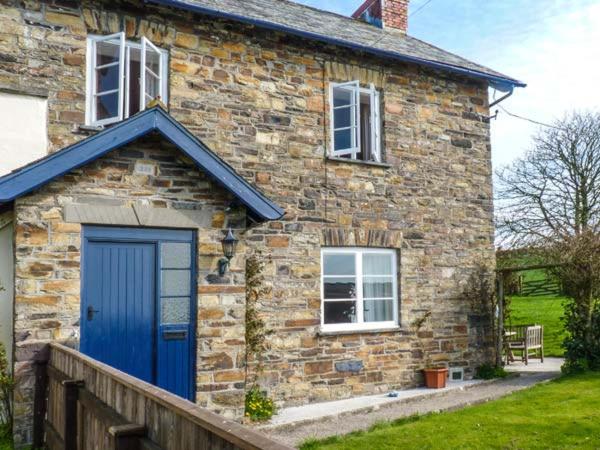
[87, 130]
[359, 331]
[359, 162]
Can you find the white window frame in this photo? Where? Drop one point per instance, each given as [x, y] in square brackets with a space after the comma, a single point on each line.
[355, 119]
[145, 72]
[360, 324]
[124, 76]
[354, 88]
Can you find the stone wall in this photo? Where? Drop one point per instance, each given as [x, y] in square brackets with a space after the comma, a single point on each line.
[48, 254]
[259, 99]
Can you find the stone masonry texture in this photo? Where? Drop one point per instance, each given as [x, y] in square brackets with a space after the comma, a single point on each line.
[395, 14]
[48, 262]
[260, 101]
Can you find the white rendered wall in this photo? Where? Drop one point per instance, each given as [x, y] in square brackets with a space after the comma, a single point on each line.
[6, 281]
[23, 130]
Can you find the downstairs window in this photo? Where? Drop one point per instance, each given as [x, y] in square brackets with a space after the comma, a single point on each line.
[123, 77]
[358, 289]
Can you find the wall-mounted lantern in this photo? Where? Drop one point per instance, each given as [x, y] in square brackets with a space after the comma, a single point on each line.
[229, 244]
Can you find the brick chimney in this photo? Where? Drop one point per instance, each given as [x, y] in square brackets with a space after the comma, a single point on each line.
[390, 14]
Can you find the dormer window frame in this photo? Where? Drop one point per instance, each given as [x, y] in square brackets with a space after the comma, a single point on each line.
[349, 131]
[123, 90]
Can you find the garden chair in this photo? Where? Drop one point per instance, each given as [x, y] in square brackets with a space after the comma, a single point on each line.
[528, 339]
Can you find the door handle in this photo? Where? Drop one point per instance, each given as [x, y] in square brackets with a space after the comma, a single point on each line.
[91, 312]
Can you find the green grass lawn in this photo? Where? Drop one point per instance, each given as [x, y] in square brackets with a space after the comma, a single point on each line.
[546, 311]
[557, 415]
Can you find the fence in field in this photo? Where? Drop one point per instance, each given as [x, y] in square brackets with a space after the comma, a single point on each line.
[537, 288]
[82, 404]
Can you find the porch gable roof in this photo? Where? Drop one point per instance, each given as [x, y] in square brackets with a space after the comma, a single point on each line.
[42, 171]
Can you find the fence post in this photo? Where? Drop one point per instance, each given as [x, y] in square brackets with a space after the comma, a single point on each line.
[500, 331]
[71, 396]
[127, 437]
[40, 399]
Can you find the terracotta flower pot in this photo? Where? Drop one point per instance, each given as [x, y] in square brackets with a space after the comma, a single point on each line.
[435, 378]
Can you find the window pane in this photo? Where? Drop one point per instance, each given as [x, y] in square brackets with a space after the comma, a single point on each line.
[340, 264]
[365, 131]
[378, 310]
[378, 287]
[342, 117]
[343, 139]
[107, 106]
[175, 282]
[175, 310]
[152, 74]
[339, 312]
[153, 62]
[377, 264]
[342, 97]
[152, 87]
[176, 255]
[107, 79]
[106, 53]
[334, 287]
[134, 81]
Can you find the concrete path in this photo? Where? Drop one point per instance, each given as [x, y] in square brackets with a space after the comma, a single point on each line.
[294, 425]
[549, 365]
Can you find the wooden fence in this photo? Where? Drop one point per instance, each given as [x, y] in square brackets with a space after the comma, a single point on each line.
[538, 288]
[82, 404]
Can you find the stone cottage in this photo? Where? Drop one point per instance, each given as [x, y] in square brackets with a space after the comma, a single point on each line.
[352, 159]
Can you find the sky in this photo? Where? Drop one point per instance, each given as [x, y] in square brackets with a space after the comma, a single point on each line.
[552, 45]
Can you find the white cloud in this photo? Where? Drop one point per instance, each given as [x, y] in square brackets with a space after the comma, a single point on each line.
[559, 58]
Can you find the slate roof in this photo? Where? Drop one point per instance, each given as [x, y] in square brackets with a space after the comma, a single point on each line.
[327, 27]
[44, 170]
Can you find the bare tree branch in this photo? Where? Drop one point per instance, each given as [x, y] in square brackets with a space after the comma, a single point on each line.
[553, 192]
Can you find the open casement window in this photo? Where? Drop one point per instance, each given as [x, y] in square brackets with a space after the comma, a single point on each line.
[345, 119]
[106, 64]
[358, 289]
[355, 122]
[123, 77]
[151, 73]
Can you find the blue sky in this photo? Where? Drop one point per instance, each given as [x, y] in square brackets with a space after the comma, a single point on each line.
[553, 45]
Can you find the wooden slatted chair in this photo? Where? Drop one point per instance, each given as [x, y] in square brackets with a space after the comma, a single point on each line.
[528, 339]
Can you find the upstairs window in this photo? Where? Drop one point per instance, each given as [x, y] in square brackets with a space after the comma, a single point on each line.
[123, 77]
[355, 122]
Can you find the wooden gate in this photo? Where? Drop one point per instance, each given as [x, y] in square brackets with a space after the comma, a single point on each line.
[82, 404]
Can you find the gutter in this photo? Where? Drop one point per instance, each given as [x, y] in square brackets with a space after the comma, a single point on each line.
[494, 80]
[511, 91]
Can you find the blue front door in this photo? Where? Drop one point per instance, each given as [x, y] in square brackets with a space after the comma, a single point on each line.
[137, 302]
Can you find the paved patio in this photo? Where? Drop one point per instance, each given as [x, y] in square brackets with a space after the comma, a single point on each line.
[534, 366]
[294, 425]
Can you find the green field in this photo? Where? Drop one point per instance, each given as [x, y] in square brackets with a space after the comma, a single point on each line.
[556, 415]
[543, 310]
[546, 311]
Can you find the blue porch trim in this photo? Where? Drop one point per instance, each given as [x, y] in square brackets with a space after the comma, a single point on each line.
[40, 172]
